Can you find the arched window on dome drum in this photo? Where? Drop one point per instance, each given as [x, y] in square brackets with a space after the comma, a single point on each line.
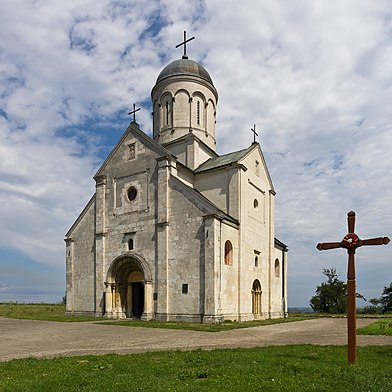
[167, 113]
[228, 253]
[198, 108]
[166, 110]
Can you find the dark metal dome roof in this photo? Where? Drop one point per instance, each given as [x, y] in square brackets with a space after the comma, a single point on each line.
[184, 67]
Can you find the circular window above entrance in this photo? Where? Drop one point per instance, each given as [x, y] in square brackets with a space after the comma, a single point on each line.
[131, 193]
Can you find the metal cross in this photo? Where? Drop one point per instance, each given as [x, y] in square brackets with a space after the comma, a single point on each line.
[133, 112]
[184, 43]
[254, 133]
[351, 242]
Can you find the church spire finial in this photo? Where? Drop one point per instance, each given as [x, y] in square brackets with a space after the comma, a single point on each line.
[134, 112]
[254, 133]
[185, 56]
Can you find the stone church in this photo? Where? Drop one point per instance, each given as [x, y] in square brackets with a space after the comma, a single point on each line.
[175, 231]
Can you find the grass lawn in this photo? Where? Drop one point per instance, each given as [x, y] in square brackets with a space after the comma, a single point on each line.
[49, 312]
[379, 327]
[284, 368]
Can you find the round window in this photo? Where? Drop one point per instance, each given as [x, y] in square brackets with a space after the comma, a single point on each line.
[131, 193]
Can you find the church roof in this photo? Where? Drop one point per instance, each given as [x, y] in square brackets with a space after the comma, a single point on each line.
[212, 208]
[184, 67]
[223, 160]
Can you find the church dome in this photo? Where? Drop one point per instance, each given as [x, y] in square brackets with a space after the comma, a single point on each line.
[184, 67]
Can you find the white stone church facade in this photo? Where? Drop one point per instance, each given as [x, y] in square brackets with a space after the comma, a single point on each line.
[174, 231]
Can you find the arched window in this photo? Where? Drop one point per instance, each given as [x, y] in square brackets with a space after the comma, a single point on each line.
[277, 268]
[228, 253]
[130, 244]
[167, 113]
[256, 298]
[256, 261]
[198, 107]
[167, 105]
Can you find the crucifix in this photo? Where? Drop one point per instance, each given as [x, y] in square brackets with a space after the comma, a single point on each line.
[184, 43]
[254, 133]
[133, 112]
[351, 242]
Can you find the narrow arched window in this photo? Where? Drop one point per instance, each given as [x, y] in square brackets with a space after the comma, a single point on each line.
[130, 244]
[228, 253]
[167, 113]
[277, 268]
[198, 112]
[256, 298]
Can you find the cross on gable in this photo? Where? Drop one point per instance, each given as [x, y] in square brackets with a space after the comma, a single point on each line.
[351, 242]
[254, 133]
[184, 43]
[133, 112]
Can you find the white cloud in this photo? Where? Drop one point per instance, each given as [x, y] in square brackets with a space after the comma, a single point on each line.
[314, 77]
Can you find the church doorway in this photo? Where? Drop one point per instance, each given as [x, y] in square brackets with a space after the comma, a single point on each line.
[137, 299]
[256, 298]
[125, 289]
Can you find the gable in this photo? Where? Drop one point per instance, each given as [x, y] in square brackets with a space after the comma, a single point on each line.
[129, 149]
[256, 166]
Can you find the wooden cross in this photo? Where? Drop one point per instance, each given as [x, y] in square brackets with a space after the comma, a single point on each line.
[351, 242]
[254, 133]
[133, 112]
[184, 43]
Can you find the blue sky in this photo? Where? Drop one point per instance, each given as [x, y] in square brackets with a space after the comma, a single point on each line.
[314, 76]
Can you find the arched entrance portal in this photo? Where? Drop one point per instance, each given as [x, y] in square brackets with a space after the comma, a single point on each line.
[127, 289]
[256, 299]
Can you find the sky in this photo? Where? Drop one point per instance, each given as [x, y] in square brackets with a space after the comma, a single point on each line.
[314, 76]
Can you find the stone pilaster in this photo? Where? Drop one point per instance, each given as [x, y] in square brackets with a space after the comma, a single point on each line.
[162, 231]
[100, 234]
[70, 276]
[212, 270]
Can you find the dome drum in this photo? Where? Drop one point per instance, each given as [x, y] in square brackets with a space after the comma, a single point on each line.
[184, 101]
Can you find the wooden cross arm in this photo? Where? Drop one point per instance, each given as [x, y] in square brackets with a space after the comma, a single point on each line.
[328, 245]
[376, 241]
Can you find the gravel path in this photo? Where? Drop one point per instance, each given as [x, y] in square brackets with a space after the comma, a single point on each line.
[43, 339]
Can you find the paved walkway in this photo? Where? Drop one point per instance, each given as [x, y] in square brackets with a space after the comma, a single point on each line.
[30, 338]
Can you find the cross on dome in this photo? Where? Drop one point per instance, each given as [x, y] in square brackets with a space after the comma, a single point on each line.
[185, 56]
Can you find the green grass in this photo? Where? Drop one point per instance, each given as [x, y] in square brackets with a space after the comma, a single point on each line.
[380, 327]
[49, 312]
[197, 326]
[284, 368]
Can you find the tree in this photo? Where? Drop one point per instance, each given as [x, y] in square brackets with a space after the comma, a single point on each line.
[385, 301]
[331, 296]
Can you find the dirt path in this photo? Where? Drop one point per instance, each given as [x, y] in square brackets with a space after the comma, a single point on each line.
[30, 338]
